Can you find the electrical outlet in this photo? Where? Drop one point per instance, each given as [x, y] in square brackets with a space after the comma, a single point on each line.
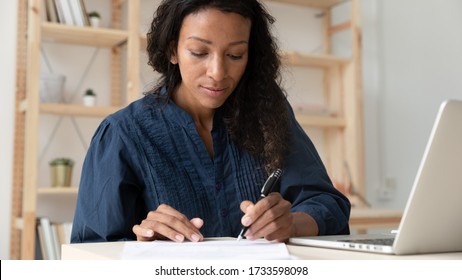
[387, 191]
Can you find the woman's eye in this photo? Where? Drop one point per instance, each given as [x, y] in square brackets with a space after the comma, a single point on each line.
[235, 57]
[198, 54]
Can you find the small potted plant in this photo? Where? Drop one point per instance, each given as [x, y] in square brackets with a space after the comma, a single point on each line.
[95, 18]
[89, 98]
[61, 172]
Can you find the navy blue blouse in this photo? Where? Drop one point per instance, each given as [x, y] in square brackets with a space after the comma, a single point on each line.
[150, 153]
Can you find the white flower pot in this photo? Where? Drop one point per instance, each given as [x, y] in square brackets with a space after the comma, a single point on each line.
[89, 100]
[94, 21]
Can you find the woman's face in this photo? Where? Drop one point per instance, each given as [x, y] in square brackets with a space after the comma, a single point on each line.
[212, 56]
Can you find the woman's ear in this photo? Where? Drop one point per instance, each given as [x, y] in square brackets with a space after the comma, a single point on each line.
[173, 59]
[173, 56]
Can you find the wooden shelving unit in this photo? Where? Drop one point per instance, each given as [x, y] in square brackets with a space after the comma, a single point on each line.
[307, 120]
[324, 61]
[29, 107]
[57, 190]
[68, 34]
[77, 110]
[342, 83]
[343, 130]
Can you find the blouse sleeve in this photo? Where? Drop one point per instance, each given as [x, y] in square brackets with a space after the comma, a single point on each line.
[109, 202]
[306, 184]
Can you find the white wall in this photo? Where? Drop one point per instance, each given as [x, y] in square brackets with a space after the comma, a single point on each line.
[412, 61]
[420, 66]
[371, 86]
[7, 85]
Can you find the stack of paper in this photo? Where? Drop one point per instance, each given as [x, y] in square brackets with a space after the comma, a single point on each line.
[208, 249]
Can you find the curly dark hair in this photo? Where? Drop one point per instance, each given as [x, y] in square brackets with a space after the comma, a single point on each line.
[255, 114]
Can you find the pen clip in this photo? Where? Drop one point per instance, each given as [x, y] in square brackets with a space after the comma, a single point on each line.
[268, 186]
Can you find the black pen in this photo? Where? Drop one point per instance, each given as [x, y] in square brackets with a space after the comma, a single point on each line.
[265, 190]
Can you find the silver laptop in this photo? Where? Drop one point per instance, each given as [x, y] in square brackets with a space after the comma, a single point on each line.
[432, 218]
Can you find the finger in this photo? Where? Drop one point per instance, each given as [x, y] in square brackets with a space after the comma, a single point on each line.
[150, 230]
[163, 230]
[169, 222]
[253, 212]
[172, 212]
[197, 222]
[269, 221]
[245, 204]
[280, 230]
[143, 234]
[277, 229]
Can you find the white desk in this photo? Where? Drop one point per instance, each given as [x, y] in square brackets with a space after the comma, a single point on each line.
[113, 250]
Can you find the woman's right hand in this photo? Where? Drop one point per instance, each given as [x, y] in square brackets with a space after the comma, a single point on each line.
[168, 223]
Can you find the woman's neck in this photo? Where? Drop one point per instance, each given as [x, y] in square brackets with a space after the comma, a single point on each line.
[202, 117]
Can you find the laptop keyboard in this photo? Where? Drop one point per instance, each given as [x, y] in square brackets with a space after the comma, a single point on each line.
[374, 241]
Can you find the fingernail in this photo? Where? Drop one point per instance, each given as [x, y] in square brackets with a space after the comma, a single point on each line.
[246, 221]
[179, 237]
[149, 233]
[195, 237]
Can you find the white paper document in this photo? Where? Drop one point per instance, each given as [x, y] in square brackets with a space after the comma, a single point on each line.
[208, 249]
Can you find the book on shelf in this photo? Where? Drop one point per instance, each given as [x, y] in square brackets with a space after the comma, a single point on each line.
[51, 13]
[76, 11]
[48, 242]
[69, 12]
[40, 252]
[50, 237]
[59, 11]
[56, 243]
[83, 11]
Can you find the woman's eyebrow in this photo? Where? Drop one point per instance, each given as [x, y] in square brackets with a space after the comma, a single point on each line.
[208, 42]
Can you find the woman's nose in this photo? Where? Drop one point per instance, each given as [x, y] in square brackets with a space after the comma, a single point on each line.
[216, 68]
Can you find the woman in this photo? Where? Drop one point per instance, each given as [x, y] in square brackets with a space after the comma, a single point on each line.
[188, 160]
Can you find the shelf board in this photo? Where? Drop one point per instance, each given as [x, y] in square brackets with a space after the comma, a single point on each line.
[89, 36]
[143, 41]
[77, 110]
[322, 4]
[367, 218]
[58, 190]
[313, 60]
[308, 120]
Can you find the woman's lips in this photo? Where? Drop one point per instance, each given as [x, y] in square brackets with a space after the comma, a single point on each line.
[214, 91]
